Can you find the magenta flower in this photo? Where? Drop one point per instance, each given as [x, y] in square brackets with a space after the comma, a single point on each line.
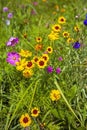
[12, 41]
[35, 3]
[5, 9]
[49, 69]
[60, 58]
[58, 70]
[12, 58]
[10, 15]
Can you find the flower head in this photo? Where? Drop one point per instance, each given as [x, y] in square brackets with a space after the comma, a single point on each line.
[20, 65]
[60, 58]
[76, 45]
[55, 95]
[85, 22]
[12, 58]
[12, 41]
[25, 53]
[66, 34]
[10, 15]
[38, 47]
[49, 49]
[38, 39]
[5, 9]
[49, 69]
[27, 73]
[58, 70]
[35, 112]
[25, 120]
[61, 20]
[56, 28]
[41, 63]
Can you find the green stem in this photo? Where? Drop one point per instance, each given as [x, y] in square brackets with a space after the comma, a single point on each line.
[33, 94]
[67, 103]
[17, 106]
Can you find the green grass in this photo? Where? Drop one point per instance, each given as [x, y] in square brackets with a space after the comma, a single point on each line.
[18, 95]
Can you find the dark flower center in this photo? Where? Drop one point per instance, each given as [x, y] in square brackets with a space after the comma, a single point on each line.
[35, 111]
[41, 63]
[56, 27]
[49, 49]
[29, 64]
[25, 120]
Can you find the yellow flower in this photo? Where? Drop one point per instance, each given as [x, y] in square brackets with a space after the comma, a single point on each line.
[38, 47]
[25, 120]
[76, 28]
[25, 53]
[41, 63]
[44, 0]
[27, 73]
[66, 34]
[38, 39]
[56, 28]
[45, 57]
[55, 95]
[61, 20]
[53, 36]
[70, 40]
[30, 64]
[35, 59]
[21, 64]
[35, 112]
[62, 10]
[49, 49]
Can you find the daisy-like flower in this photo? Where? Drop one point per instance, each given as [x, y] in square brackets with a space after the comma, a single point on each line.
[20, 65]
[25, 53]
[41, 63]
[12, 58]
[66, 34]
[56, 28]
[61, 20]
[12, 41]
[76, 28]
[45, 57]
[49, 49]
[70, 40]
[53, 36]
[25, 120]
[35, 59]
[38, 47]
[38, 39]
[27, 73]
[30, 64]
[35, 112]
[55, 95]
[62, 10]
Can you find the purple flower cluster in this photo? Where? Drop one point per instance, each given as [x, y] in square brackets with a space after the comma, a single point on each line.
[12, 41]
[5, 9]
[50, 69]
[85, 21]
[12, 58]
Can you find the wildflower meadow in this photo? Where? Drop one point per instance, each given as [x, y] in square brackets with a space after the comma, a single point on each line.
[43, 65]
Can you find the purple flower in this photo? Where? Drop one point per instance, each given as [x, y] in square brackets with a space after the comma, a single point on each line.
[5, 9]
[35, 3]
[10, 15]
[49, 69]
[76, 45]
[85, 22]
[33, 12]
[60, 58]
[12, 58]
[58, 70]
[12, 41]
